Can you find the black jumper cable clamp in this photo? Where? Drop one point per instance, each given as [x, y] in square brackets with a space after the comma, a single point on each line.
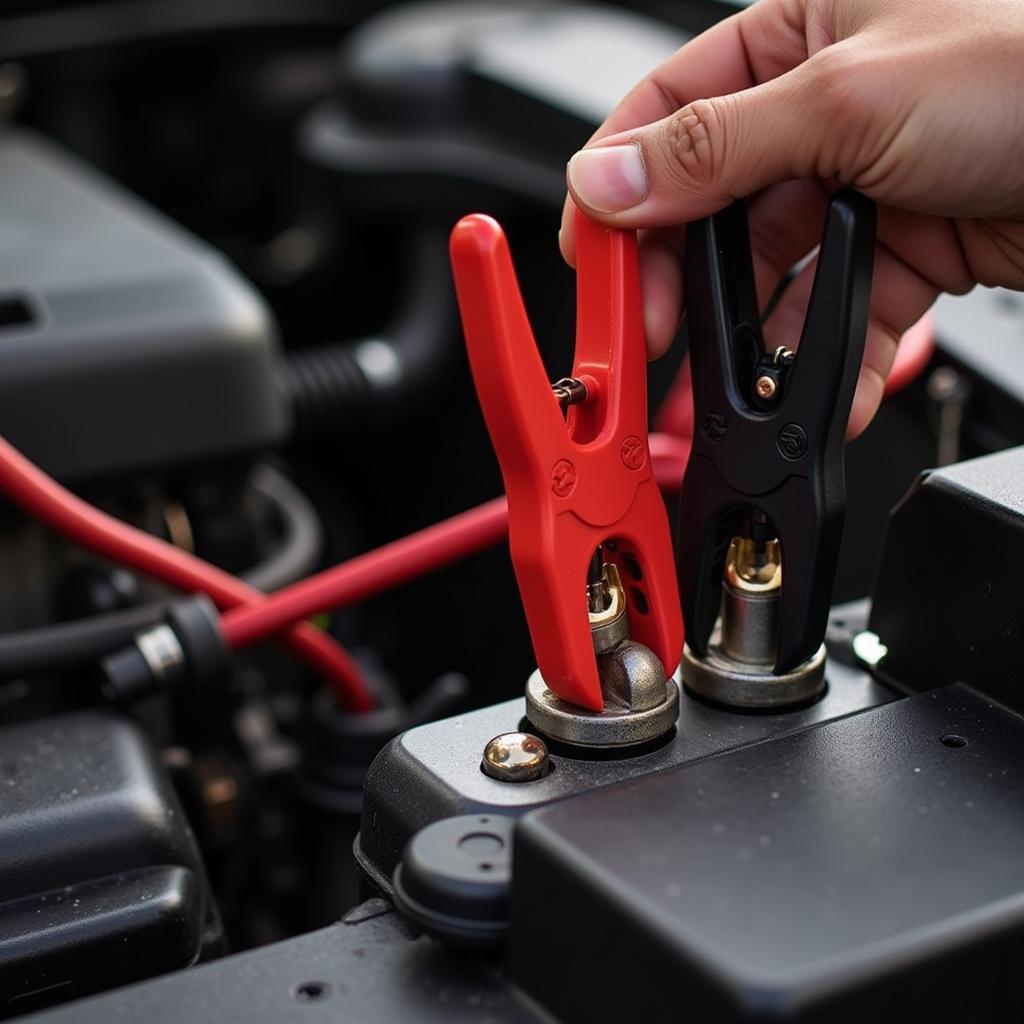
[764, 494]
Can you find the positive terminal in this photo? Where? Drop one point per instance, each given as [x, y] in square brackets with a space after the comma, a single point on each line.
[516, 757]
[766, 387]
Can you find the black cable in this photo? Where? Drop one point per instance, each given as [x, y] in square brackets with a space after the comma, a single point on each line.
[67, 645]
[333, 384]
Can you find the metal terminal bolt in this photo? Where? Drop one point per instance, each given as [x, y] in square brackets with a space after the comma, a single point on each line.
[516, 757]
[640, 703]
[599, 595]
[738, 668]
[609, 624]
[754, 564]
[766, 387]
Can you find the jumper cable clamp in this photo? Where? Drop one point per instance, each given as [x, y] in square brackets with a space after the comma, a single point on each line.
[764, 494]
[588, 531]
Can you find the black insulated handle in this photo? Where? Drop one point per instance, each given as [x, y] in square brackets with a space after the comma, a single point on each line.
[784, 456]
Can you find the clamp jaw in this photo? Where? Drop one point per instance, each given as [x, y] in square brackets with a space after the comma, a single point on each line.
[768, 449]
[575, 459]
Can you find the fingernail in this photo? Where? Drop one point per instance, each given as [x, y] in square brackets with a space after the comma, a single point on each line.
[609, 179]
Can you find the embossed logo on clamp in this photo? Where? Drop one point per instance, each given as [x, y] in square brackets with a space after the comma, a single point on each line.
[714, 426]
[632, 452]
[563, 478]
[792, 442]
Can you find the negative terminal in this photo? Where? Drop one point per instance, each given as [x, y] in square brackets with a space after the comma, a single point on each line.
[738, 668]
[640, 702]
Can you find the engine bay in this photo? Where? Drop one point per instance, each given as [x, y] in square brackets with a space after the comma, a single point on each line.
[260, 631]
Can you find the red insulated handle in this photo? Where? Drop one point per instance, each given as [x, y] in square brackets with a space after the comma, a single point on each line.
[577, 483]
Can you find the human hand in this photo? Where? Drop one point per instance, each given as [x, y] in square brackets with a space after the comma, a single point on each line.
[917, 103]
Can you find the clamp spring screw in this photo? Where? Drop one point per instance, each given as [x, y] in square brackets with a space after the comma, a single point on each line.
[569, 391]
[767, 385]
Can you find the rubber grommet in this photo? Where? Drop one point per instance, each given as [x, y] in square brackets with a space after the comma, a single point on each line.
[454, 877]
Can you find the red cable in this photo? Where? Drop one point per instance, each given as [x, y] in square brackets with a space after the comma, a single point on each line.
[405, 559]
[43, 498]
[368, 574]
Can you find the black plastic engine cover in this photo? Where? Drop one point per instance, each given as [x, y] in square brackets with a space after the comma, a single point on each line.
[858, 870]
[367, 969]
[948, 601]
[867, 869]
[126, 344]
[101, 882]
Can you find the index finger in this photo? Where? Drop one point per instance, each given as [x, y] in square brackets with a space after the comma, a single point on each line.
[754, 46]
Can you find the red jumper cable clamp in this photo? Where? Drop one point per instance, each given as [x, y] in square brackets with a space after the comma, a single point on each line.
[588, 531]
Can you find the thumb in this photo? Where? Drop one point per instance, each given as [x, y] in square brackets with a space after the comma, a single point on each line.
[698, 159]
